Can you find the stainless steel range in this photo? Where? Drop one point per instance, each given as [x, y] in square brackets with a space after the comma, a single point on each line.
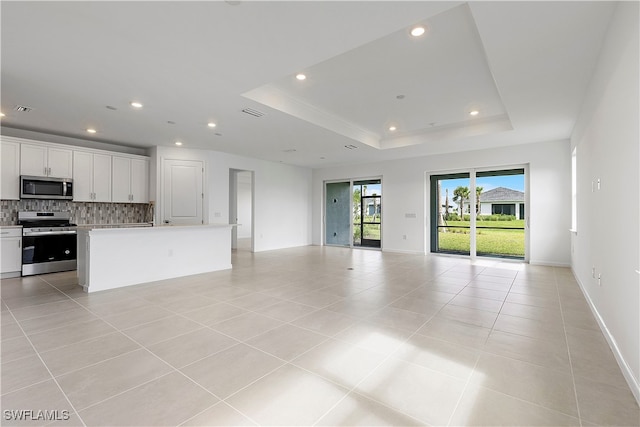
[49, 242]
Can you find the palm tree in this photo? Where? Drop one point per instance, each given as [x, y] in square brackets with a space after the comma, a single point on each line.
[460, 194]
[478, 192]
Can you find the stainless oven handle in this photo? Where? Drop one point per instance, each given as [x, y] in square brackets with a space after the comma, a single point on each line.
[47, 233]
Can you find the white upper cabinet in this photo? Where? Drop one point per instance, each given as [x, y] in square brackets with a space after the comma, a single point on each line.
[91, 177]
[130, 180]
[41, 160]
[139, 181]
[10, 171]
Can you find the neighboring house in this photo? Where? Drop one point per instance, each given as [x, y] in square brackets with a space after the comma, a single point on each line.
[501, 200]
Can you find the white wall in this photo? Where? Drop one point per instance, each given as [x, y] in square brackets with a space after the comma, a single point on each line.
[607, 140]
[405, 191]
[282, 195]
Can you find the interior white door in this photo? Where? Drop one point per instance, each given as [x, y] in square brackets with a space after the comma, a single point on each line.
[183, 192]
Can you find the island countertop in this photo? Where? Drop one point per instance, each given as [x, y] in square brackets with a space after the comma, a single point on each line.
[114, 257]
[145, 225]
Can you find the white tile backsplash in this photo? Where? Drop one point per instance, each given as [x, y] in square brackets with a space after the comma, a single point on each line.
[81, 212]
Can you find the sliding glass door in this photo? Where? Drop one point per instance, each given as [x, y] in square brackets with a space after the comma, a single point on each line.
[450, 222]
[353, 213]
[500, 206]
[479, 213]
[367, 213]
[338, 213]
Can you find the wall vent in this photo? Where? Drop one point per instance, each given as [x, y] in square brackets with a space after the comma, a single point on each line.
[22, 108]
[252, 112]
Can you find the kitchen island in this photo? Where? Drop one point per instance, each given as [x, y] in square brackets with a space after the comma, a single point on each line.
[111, 258]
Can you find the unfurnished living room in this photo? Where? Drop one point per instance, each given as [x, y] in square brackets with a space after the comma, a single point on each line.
[320, 213]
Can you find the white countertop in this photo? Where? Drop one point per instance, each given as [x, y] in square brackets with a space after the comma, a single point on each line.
[120, 225]
[10, 226]
[145, 227]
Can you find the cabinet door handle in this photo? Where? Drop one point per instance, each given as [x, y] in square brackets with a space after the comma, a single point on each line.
[19, 244]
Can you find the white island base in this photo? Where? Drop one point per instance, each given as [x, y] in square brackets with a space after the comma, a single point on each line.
[111, 258]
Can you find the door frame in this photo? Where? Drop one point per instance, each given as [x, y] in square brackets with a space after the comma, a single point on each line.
[233, 205]
[472, 183]
[324, 210]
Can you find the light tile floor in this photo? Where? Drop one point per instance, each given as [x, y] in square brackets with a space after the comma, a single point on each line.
[314, 336]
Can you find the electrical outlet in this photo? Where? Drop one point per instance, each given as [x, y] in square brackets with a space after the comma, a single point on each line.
[593, 272]
[599, 279]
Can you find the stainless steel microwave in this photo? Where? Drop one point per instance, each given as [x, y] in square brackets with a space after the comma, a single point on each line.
[42, 187]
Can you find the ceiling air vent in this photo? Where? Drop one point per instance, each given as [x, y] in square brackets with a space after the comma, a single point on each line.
[22, 108]
[350, 147]
[252, 112]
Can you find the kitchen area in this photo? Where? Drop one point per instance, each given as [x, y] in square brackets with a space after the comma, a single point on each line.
[61, 203]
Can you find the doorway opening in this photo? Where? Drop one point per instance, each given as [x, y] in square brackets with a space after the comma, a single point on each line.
[241, 212]
[353, 213]
[479, 213]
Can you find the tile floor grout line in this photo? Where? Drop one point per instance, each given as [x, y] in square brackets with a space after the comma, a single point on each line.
[174, 370]
[566, 338]
[464, 389]
[384, 360]
[50, 373]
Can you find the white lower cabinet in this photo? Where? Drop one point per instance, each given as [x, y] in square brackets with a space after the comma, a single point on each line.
[10, 252]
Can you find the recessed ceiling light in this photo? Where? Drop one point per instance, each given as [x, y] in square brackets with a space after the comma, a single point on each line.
[417, 31]
[91, 130]
[301, 76]
[178, 143]
[136, 104]
[474, 113]
[392, 128]
[211, 124]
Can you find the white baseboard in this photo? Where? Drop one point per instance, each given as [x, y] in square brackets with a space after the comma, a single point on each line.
[549, 263]
[401, 251]
[624, 366]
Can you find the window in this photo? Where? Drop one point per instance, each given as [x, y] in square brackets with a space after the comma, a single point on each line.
[503, 209]
[574, 190]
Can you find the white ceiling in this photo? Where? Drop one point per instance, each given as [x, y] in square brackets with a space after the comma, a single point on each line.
[524, 66]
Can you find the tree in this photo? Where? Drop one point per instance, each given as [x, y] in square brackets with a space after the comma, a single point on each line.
[356, 204]
[460, 194]
[478, 192]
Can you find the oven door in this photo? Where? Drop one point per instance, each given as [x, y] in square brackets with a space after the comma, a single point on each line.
[47, 252]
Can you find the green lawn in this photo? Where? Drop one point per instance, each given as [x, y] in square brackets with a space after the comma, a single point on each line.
[504, 241]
